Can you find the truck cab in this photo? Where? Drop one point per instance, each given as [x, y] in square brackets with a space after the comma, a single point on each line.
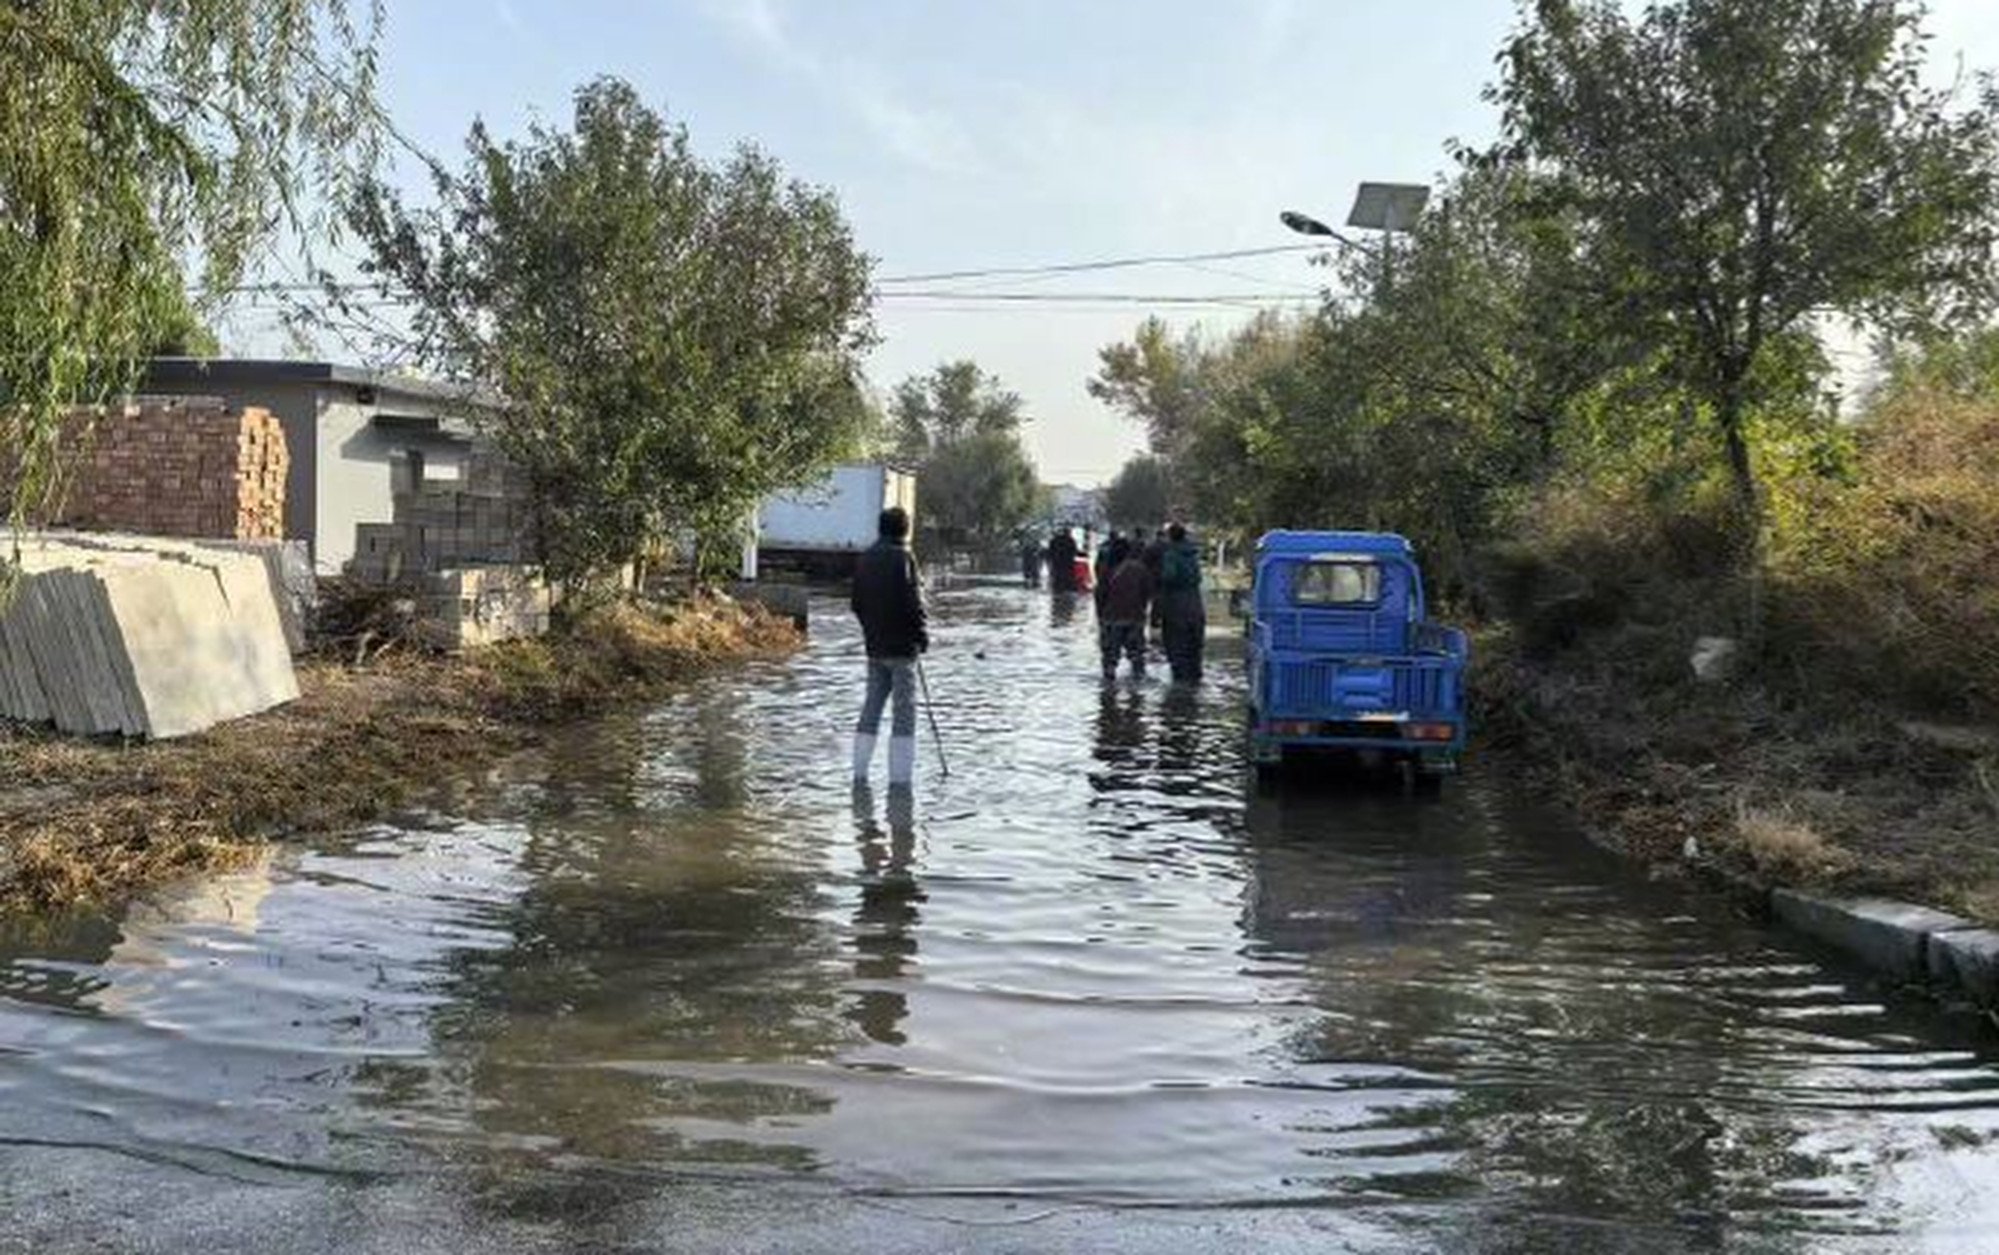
[1343, 657]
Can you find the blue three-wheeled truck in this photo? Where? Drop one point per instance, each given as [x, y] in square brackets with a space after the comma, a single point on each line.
[1342, 657]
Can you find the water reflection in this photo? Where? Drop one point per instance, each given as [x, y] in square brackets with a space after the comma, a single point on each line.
[885, 920]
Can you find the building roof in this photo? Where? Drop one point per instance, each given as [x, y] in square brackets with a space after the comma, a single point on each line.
[253, 372]
[1373, 544]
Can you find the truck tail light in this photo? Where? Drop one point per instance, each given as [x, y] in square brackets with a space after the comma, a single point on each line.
[1429, 731]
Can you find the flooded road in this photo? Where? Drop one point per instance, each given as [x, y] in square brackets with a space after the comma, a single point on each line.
[671, 984]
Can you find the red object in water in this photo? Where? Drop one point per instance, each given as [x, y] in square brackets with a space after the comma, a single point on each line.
[1084, 578]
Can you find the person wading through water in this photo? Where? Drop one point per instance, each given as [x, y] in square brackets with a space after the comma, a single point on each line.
[888, 600]
[1030, 561]
[1183, 617]
[1154, 552]
[1062, 562]
[1127, 591]
[1109, 554]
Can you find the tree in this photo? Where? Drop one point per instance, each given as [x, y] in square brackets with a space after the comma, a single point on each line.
[961, 429]
[139, 142]
[953, 402]
[1156, 379]
[1738, 167]
[669, 340]
[979, 490]
[1141, 494]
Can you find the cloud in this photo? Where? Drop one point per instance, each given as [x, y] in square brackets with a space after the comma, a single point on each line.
[925, 137]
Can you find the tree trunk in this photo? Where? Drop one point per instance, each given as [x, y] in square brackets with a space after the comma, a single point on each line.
[1741, 472]
[1749, 507]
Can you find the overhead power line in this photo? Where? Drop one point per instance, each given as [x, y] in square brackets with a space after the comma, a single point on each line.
[1115, 298]
[940, 276]
[1112, 263]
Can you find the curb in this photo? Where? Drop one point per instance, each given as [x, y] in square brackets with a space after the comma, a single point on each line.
[1900, 940]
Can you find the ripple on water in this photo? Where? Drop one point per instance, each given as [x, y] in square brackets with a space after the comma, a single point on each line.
[1090, 965]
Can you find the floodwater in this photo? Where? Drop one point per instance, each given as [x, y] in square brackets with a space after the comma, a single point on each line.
[671, 984]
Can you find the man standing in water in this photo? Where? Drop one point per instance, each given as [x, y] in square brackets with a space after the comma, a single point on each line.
[1062, 562]
[888, 600]
[1183, 617]
[1125, 593]
[1030, 560]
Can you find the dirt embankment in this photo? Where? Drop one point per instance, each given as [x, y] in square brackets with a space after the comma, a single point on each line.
[1855, 744]
[1758, 782]
[81, 821]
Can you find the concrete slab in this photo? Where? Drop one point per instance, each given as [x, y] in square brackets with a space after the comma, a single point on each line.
[1890, 937]
[178, 662]
[132, 636]
[1967, 959]
[294, 587]
[244, 583]
[53, 657]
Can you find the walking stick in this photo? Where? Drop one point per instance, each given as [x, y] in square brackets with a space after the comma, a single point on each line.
[930, 709]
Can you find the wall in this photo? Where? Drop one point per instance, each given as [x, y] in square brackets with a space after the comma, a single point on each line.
[361, 465]
[475, 515]
[180, 466]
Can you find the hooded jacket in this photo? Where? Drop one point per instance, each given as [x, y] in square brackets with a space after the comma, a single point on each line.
[888, 600]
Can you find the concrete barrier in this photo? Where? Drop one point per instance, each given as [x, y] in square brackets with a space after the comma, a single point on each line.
[1901, 940]
[792, 601]
[1967, 958]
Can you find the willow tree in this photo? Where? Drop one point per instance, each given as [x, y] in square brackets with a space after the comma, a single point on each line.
[668, 339]
[146, 149]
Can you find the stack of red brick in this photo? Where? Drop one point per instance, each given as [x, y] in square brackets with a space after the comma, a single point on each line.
[180, 466]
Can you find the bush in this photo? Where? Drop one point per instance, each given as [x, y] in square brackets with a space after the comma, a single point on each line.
[1891, 584]
[1592, 556]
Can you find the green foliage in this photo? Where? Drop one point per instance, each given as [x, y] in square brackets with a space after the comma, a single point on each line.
[1158, 380]
[1741, 166]
[136, 140]
[978, 490]
[670, 340]
[1141, 495]
[953, 402]
[961, 429]
[1882, 582]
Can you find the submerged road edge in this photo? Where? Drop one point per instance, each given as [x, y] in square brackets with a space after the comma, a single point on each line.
[1911, 943]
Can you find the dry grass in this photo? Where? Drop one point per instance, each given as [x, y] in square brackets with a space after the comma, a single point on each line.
[1858, 749]
[1782, 847]
[91, 820]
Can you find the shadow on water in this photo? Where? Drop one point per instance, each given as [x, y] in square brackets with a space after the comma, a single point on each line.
[1095, 966]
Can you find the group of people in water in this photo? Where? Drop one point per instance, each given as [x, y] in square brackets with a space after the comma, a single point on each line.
[1138, 582]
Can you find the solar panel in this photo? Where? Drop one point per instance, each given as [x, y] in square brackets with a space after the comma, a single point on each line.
[1388, 206]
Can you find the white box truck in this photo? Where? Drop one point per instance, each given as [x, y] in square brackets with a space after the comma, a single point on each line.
[820, 530]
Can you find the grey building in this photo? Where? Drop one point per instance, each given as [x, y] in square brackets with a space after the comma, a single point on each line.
[357, 438]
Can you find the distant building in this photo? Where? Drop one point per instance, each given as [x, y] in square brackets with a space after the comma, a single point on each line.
[1081, 508]
[357, 438]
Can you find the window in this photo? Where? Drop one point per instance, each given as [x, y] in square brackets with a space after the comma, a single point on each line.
[1337, 584]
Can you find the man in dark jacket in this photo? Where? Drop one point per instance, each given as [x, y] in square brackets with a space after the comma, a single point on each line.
[1062, 562]
[1183, 615]
[888, 600]
[1109, 554]
[1126, 594]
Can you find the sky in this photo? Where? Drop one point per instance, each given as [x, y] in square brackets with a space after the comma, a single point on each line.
[961, 135]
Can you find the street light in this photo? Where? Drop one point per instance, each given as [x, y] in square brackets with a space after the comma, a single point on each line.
[1305, 224]
[1383, 207]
